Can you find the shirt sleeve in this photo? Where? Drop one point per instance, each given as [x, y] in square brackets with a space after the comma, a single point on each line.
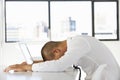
[76, 48]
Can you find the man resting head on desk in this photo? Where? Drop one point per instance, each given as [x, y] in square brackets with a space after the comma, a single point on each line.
[94, 58]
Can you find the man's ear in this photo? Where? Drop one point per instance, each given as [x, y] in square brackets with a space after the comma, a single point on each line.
[57, 52]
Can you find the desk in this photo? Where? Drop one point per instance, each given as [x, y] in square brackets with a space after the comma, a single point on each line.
[67, 75]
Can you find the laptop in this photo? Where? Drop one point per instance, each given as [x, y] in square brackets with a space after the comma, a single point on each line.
[26, 53]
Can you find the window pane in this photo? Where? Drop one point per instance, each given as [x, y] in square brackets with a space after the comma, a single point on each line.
[70, 18]
[105, 20]
[26, 20]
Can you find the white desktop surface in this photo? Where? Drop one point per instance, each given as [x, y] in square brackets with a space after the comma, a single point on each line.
[67, 75]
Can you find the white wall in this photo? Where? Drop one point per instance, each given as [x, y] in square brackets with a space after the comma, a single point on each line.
[10, 53]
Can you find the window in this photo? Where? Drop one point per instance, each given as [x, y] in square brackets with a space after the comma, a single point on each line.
[26, 21]
[37, 20]
[105, 20]
[67, 20]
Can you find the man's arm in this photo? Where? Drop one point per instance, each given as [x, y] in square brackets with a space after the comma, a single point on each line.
[23, 67]
[19, 68]
[38, 61]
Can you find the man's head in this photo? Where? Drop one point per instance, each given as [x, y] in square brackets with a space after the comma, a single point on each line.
[53, 50]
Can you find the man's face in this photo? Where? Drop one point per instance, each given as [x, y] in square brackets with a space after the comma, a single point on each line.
[60, 52]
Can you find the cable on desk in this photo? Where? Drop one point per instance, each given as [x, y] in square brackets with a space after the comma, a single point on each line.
[78, 68]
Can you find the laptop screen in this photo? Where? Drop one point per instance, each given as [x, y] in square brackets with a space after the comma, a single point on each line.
[26, 53]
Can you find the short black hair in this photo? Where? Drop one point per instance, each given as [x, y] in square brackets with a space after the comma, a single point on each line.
[46, 50]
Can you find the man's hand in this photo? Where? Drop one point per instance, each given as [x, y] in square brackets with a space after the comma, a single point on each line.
[23, 67]
[19, 68]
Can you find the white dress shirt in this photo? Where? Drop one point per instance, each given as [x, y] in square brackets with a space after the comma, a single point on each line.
[93, 56]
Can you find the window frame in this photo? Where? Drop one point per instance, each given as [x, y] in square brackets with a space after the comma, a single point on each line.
[117, 16]
[49, 17]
